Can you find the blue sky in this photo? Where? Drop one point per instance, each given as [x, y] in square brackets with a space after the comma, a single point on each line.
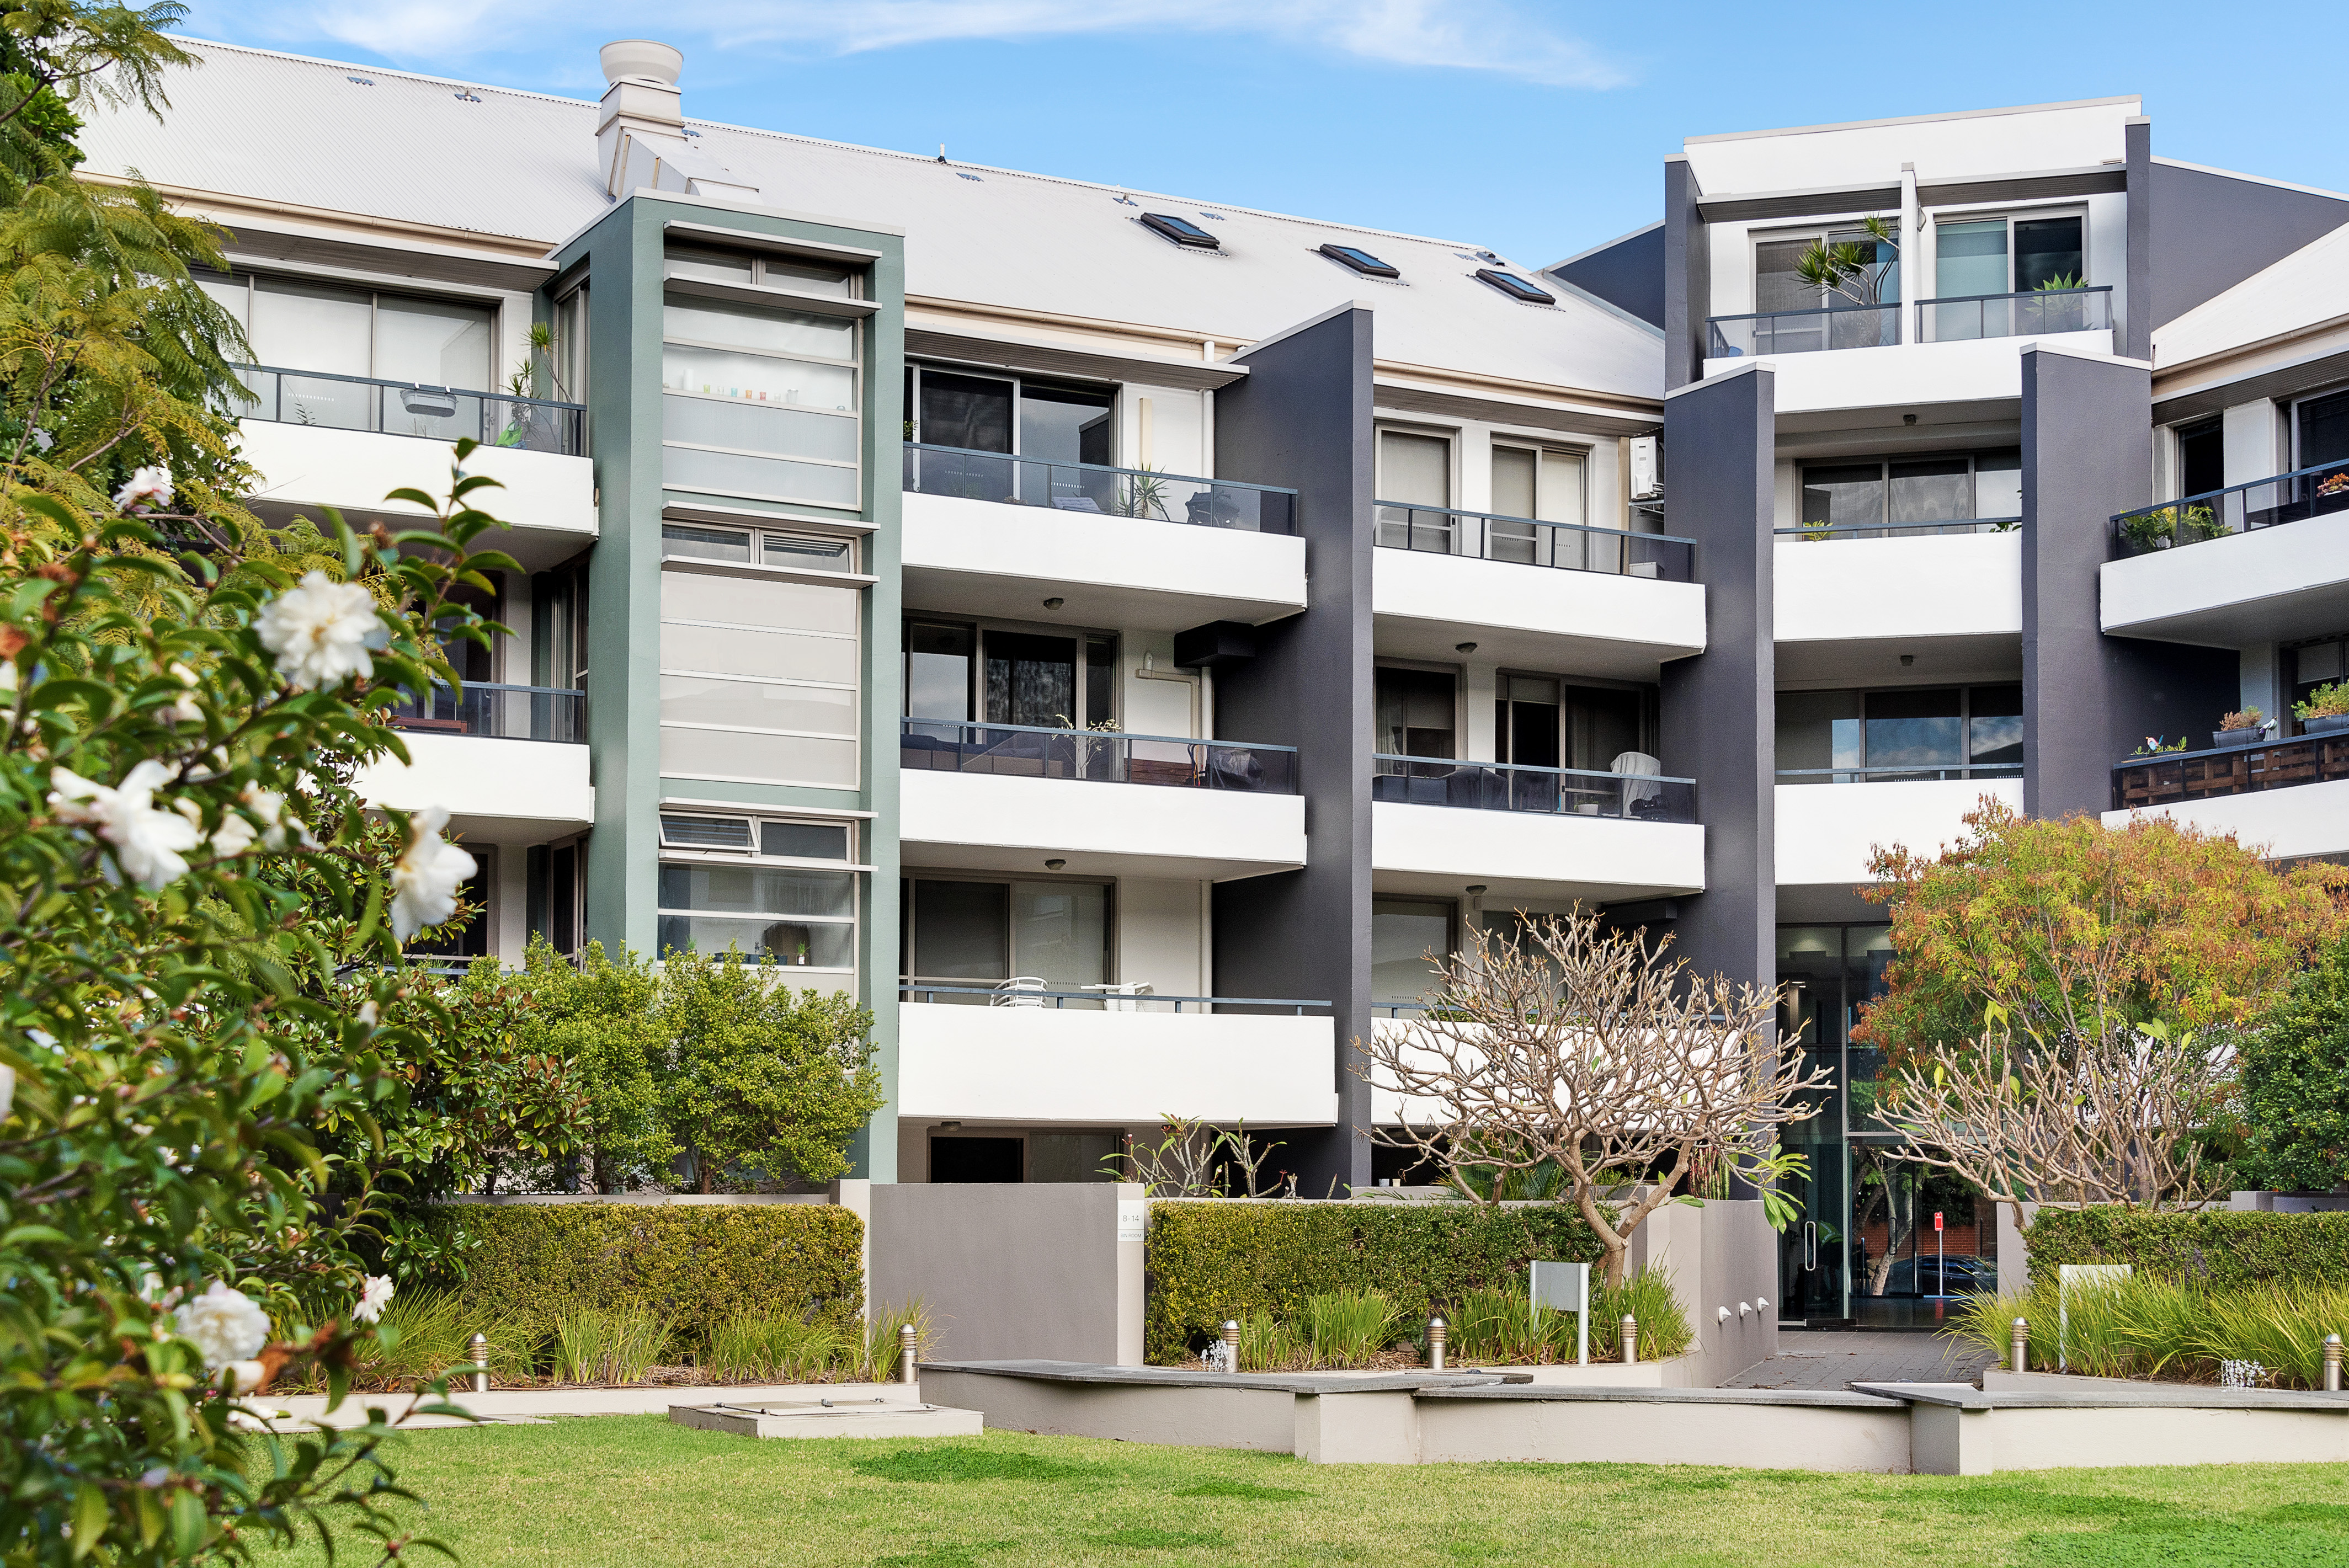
[1534, 129]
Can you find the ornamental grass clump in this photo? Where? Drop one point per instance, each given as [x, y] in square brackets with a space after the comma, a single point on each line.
[609, 1348]
[2147, 1327]
[1269, 1344]
[881, 1336]
[428, 1334]
[773, 1347]
[1348, 1327]
[1500, 1326]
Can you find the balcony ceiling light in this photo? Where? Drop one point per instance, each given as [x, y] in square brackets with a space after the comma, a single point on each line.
[1182, 230]
[1054, 864]
[1054, 603]
[1464, 647]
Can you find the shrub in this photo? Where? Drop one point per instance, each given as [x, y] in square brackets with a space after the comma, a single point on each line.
[1215, 1258]
[2218, 1249]
[694, 1266]
[882, 1335]
[1498, 1324]
[2295, 1077]
[2149, 1326]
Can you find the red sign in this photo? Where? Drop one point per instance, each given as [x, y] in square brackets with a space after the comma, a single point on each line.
[1936, 1219]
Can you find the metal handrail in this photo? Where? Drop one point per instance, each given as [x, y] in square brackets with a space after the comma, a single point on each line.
[1833, 529]
[1816, 310]
[1058, 998]
[1531, 768]
[2336, 467]
[1961, 770]
[2018, 293]
[1095, 734]
[2267, 744]
[497, 685]
[1934, 316]
[1098, 467]
[407, 386]
[1535, 521]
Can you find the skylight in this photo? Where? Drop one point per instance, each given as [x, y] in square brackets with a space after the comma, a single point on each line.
[1181, 231]
[1362, 261]
[1515, 287]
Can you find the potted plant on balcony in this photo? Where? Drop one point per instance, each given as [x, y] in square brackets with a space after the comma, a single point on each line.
[2326, 711]
[2062, 304]
[2159, 527]
[2157, 746]
[1858, 269]
[2246, 726]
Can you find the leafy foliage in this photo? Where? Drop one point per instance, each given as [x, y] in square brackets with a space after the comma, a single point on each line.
[2295, 1084]
[2220, 1249]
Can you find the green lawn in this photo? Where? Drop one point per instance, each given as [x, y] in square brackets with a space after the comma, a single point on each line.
[638, 1492]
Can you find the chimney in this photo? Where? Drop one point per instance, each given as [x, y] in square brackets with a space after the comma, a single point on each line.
[640, 138]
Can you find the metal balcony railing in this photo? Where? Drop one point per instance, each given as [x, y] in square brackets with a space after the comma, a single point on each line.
[1802, 331]
[499, 712]
[288, 396]
[1099, 489]
[2229, 771]
[1100, 757]
[1899, 775]
[1524, 542]
[1086, 998]
[1961, 317]
[2239, 509]
[1821, 531]
[1516, 786]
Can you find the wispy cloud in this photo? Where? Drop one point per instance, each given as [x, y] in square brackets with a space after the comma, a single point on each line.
[1504, 37]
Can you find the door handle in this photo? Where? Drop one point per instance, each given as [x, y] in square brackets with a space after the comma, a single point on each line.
[1810, 1245]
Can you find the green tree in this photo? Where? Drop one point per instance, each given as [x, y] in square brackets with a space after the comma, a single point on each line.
[759, 1076]
[2295, 1084]
[600, 1019]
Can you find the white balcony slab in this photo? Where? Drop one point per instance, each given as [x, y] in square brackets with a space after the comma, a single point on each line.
[2289, 581]
[1827, 831]
[1425, 604]
[497, 792]
[1844, 606]
[1910, 374]
[2282, 824]
[547, 500]
[992, 558]
[1531, 854]
[984, 823]
[1044, 1065]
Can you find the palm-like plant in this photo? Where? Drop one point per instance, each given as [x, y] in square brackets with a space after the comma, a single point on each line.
[1849, 268]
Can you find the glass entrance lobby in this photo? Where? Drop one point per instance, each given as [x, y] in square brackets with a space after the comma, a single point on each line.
[1866, 1252]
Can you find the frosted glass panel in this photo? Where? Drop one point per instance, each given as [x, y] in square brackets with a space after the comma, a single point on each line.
[303, 326]
[786, 656]
[1415, 469]
[1970, 259]
[778, 479]
[794, 944]
[758, 428]
[754, 377]
[766, 758]
[743, 601]
[758, 890]
[1513, 481]
[752, 326]
[699, 699]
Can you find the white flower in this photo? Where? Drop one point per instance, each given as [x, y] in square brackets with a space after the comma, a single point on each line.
[185, 710]
[227, 1324]
[373, 1299]
[147, 843]
[426, 877]
[369, 1014]
[147, 485]
[242, 1376]
[321, 631]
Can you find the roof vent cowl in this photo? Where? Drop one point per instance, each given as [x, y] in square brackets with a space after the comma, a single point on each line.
[640, 135]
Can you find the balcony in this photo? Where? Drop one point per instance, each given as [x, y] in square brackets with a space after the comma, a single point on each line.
[1129, 547]
[1093, 1065]
[1773, 332]
[1604, 600]
[1001, 797]
[1830, 821]
[2219, 567]
[347, 441]
[2286, 798]
[2043, 313]
[510, 763]
[1531, 832]
[1859, 598]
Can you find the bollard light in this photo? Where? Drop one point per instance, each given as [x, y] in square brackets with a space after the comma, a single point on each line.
[2332, 1364]
[1631, 1339]
[2020, 1358]
[1231, 1344]
[481, 1348]
[906, 1373]
[1438, 1332]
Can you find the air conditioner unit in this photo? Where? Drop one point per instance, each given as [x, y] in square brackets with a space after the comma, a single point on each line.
[1647, 468]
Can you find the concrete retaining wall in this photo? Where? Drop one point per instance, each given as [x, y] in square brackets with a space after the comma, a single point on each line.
[1015, 1270]
[1722, 1255]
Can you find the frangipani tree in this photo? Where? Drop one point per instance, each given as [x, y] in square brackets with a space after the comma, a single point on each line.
[1587, 1052]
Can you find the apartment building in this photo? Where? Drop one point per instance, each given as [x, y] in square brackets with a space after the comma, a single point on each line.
[1116, 637]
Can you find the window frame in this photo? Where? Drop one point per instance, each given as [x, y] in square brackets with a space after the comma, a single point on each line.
[1814, 232]
[1019, 381]
[1934, 217]
[909, 935]
[248, 278]
[981, 627]
[1884, 466]
[855, 870]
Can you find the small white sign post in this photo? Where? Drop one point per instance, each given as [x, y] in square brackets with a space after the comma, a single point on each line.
[1563, 1287]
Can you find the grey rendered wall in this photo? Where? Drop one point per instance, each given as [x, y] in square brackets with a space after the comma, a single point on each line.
[2255, 225]
[1015, 1272]
[1302, 418]
[1719, 1256]
[2089, 699]
[1688, 275]
[1627, 275]
[1720, 707]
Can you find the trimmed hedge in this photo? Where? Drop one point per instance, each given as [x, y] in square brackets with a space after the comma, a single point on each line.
[2220, 1249]
[694, 1264]
[1212, 1259]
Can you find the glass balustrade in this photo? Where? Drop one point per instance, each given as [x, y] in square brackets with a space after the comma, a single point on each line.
[1100, 490]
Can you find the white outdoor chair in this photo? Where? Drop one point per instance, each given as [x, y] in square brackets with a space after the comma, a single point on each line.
[1020, 991]
[1118, 998]
[1638, 790]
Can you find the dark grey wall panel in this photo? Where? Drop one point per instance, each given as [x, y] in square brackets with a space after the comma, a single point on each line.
[1627, 275]
[1302, 418]
[1688, 275]
[1720, 707]
[2210, 231]
[2135, 340]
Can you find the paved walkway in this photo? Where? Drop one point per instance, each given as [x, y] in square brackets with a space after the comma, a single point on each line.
[1821, 1360]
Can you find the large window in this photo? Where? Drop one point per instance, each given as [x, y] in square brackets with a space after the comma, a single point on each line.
[1417, 712]
[1540, 721]
[967, 930]
[761, 884]
[1404, 934]
[960, 670]
[1901, 733]
[758, 680]
[757, 400]
[2320, 661]
[1922, 493]
[337, 330]
[1778, 282]
[1052, 421]
[2321, 430]
[1975, 256]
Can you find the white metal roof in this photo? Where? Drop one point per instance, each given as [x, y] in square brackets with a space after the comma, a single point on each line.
[463, 156]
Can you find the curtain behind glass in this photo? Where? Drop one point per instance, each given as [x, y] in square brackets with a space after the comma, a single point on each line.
[438, 343]
[1031, 680]
[1059, 933]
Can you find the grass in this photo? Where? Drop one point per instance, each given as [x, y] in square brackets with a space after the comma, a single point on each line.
[2150, 1327]
[638, 1492]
